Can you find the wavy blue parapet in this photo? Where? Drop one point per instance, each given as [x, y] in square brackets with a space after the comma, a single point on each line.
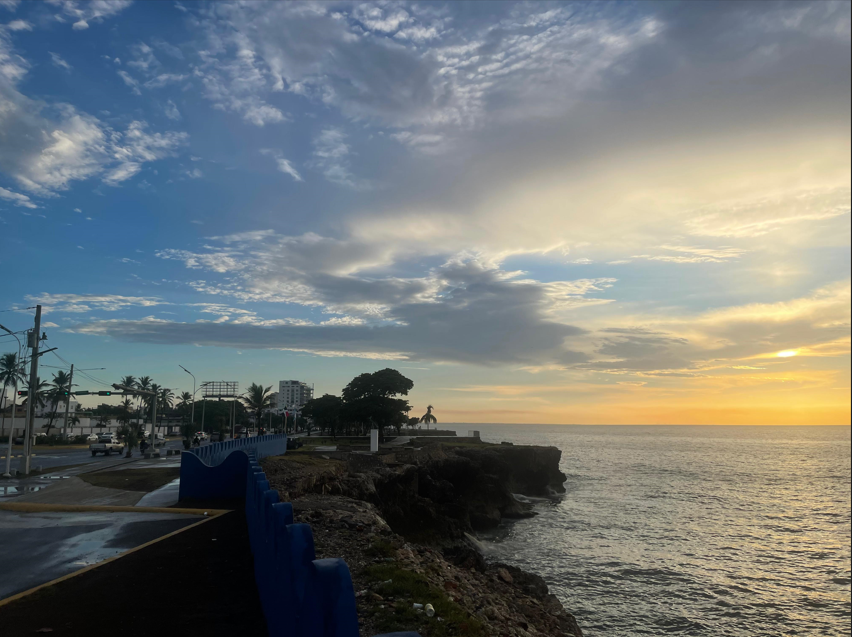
[215, 471]
[301, 596]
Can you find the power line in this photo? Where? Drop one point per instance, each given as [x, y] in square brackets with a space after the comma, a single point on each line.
[18, 309]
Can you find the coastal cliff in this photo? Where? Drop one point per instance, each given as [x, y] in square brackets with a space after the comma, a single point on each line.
[401, 520]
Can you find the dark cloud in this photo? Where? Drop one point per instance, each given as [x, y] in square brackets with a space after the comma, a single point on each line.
[480, 317]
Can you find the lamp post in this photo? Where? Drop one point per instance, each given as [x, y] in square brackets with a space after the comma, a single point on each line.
[7, 473]
[192, 417]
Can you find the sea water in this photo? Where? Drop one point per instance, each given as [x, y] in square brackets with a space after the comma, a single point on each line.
[692, 530]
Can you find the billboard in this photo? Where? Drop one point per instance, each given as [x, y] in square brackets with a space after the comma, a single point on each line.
[221, 389]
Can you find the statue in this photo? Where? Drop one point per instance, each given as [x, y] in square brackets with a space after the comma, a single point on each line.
[428, 417]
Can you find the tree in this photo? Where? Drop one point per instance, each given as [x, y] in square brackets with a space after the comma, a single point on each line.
[11, 373]
[257, 399]
[325, 412]
[130, 433]
[57, 390]
[370, 399]
[428, 418]
[184, 403]
[103, 421]
[143, 384]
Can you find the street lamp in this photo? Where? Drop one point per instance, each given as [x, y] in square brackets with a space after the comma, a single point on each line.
[192, 417]
[8, 473]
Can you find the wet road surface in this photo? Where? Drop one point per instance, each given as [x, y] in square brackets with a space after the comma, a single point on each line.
[39, 547]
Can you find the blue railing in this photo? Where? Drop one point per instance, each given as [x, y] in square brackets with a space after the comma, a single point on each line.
[301, 596]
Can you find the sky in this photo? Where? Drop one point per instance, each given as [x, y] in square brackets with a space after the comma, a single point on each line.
[625, 212]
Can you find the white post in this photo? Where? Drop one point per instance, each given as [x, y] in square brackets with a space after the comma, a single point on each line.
[374, 440]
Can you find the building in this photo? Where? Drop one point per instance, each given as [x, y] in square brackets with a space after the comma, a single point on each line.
[60, 408]
[293, 394]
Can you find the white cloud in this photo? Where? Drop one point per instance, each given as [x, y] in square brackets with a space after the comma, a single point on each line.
[19, 25]
[58, 62]
[130, 81]
[756, 216]
[92, 11]
[172, 111]
[689, 254]
[164, 79]
[283, 164]
[17, 198]
[76, 303]
[331, 152]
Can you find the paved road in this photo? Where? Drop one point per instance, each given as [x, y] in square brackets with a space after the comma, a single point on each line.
[39, 547]
[64, 457]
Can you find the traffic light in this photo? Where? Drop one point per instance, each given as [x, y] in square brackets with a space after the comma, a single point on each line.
[23, 392]
[82, 392]
[105, 393]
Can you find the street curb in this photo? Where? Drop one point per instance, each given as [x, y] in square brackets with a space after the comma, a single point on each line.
[45, 507]
[17, 596]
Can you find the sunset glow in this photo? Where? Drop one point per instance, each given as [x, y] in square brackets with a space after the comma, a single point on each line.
[545, 213]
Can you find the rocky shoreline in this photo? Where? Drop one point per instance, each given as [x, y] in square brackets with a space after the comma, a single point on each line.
[401, 521]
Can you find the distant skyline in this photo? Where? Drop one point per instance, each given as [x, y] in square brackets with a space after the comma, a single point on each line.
[575, 213]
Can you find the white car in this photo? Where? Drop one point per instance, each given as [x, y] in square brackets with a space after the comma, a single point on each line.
[201, 435]
[92, 438]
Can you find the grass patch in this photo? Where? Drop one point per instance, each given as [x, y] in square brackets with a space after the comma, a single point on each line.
[381, 548]
[132, 479]
[407, 587]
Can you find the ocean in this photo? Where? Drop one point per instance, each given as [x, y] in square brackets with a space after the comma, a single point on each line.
[690, 530]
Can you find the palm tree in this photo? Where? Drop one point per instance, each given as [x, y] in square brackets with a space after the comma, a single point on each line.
[257, 399]
[165, 399]
[185, 403]
[144, 384]
[11, 373]
[428, 418]
[60, 388]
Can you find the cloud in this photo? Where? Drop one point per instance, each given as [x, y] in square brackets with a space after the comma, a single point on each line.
[76, 303]
[17, 198]
[19, 25]
[59, 63]
[46, 147]
[331, 153]
[283, 164]
[689, 254]
[164, 79]
[481, 319]
[757, 216]
[172, 111]
[130, 81]
[92, 11]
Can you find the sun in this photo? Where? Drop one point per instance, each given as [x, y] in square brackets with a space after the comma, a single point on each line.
[787, 353]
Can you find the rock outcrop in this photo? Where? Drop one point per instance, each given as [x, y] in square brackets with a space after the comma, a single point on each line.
[411, 510]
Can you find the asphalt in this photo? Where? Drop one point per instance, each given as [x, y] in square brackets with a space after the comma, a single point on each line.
[40, 547]
[64, 457]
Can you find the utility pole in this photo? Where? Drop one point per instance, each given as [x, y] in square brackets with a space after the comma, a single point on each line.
[68, 404]
[30, 424]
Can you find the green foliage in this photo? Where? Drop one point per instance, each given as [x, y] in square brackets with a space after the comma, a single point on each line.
[325, 412]
[409, 588]
[369, 399]
[257, 399]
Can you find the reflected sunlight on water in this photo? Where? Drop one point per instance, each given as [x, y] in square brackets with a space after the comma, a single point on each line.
[740, 531]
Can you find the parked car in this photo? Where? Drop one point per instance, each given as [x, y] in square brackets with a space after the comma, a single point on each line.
[201, 435]
[92, 438]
